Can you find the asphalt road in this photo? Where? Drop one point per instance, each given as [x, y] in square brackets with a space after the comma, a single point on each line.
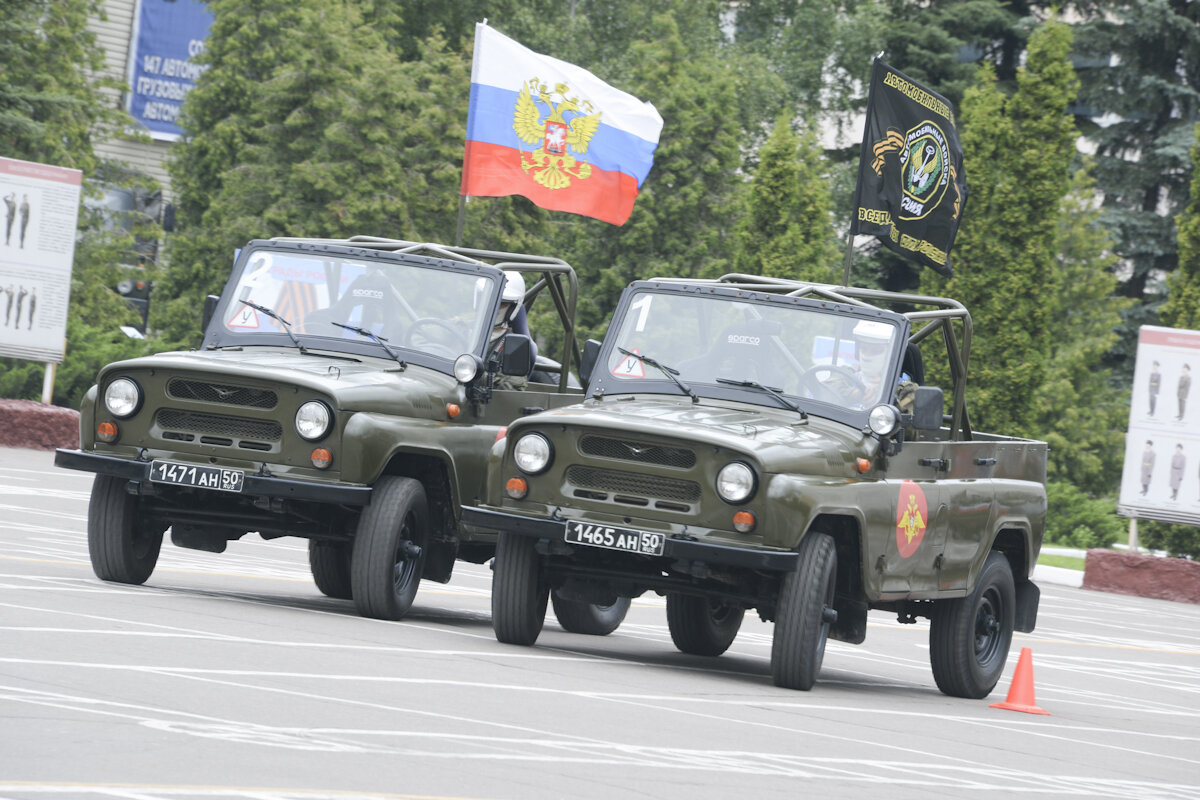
[231, 676]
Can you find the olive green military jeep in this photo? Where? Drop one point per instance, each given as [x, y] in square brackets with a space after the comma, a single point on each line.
[753, 443]
[346, 391]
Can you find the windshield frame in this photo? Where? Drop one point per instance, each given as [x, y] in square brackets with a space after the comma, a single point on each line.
[603, 384]
[218, 335]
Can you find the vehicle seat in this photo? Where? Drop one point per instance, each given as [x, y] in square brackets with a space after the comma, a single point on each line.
[742, 351]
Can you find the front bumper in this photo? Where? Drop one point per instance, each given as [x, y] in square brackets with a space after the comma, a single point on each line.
[674, 548]
[253, 486]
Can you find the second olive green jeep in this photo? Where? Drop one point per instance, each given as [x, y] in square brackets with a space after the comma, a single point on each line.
[756, 443]
[346, 391]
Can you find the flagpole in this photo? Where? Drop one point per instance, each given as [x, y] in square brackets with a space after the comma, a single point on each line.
[462, 212]
[849, 251]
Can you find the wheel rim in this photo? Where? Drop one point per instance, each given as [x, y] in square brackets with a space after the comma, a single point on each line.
[404, 569]
[140, 543]
[719, 613]
[987, 626]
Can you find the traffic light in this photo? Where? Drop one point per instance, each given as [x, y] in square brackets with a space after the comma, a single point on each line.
[136, 292]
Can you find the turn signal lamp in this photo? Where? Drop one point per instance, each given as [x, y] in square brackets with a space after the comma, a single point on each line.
[107, 431]
[501, 434]
[744, 521]
[863, 464]
[452, 410]
[321, 458]
[517, 488]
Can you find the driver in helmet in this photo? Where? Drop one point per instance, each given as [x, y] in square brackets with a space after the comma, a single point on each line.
[872, 344]
[510, 318]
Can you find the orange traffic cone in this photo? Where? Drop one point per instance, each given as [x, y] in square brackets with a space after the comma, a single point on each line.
[1020, 694]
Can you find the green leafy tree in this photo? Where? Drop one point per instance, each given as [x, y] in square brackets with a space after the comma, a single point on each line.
[306, 125]
[1018, 150]
[53, 109]
[787, 230]
[1182, 309]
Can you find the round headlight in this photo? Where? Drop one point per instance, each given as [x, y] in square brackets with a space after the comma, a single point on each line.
[467, 367]
[884, 420]
[313, 420]
[735, 482]
[532, 453]
[122, 398]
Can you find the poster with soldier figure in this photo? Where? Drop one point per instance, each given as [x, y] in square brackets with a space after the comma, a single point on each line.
[1163, 438]
[41, 207]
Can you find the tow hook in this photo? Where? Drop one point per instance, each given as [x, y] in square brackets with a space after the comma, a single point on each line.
[829, 615]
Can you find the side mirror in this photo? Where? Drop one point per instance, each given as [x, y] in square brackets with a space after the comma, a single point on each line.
[929, 403]
[210, 308]
[587, 361]
[516, 356]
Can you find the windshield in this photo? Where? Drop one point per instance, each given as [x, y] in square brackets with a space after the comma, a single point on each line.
[409, 305]
[798, 349]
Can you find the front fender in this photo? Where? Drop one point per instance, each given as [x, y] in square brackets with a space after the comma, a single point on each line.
[370, 441]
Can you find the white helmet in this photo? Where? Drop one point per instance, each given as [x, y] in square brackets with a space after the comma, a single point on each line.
[514, 287]
[873, 339]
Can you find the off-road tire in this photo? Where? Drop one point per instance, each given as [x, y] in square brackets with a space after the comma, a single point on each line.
[383, 579]
[702, 627]
[123, 549]
[801, 631]
[518, 594]
[330, 564]
[969, 637]
[589, 619]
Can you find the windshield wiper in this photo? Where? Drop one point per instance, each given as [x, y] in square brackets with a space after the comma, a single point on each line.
[381, 341]
[665, 370]
[287, 326]
[774, 392]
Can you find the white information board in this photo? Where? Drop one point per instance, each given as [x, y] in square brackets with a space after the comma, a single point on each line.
[39, 204]
[1161, 476]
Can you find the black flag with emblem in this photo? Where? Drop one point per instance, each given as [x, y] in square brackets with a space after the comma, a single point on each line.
[911, 185]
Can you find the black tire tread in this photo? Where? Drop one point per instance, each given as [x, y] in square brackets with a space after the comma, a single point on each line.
[951, 635]
[798, 646]
[518, 597]
[372, 560]
[330, 565]
[693, 629]
[112, 525]
[576, 616]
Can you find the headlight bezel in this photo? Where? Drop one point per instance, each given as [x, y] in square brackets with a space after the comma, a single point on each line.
[884, 420]
[314, 406]
[133, 406]
[541, 459]
[748, 478]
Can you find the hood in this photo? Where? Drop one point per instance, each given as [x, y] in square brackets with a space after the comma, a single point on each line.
[777, 439]
[353, 383]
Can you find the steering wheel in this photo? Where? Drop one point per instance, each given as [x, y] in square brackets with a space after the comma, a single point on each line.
[846, 387]
[441, 338]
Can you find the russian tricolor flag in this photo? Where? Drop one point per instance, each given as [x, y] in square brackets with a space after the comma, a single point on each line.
[554, 133]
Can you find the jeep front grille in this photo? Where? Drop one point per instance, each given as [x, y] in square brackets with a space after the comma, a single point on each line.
[640, 452]
[184, 389]
[629, 486]
[215, 429]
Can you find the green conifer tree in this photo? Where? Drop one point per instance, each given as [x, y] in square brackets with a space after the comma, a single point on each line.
[786, 231]
[1017, 152]
[1182, 309]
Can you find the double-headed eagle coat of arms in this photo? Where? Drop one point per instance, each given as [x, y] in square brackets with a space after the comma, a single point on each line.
[552, 164]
